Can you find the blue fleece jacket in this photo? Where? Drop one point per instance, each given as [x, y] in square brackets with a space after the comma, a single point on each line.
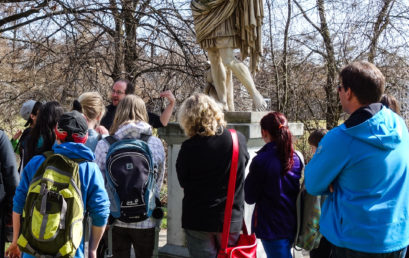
[93, 138]
[368, 165]
[93, 191]
[274, 216]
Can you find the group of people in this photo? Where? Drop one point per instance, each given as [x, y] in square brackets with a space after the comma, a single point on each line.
[361, 167]
[79, 134]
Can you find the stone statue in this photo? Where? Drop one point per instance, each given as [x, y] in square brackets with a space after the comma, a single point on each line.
[221, 26]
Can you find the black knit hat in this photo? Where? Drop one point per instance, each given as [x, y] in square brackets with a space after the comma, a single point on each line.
[72, 127]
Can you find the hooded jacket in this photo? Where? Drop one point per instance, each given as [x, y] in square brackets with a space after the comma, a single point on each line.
[8, 174]
[368, 165]
[274, 194]
[133, 131]
[94, 195]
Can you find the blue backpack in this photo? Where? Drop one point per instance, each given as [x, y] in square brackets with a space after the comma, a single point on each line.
[130, 179]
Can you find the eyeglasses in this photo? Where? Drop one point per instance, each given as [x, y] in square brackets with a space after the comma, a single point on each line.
[117, 92]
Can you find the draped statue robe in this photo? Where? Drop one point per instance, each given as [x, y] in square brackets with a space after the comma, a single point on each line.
[230, 23]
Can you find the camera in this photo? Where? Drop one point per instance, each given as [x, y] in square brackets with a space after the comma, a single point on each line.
[158, 213]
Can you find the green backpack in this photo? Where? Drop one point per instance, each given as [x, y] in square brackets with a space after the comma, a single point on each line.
[53, 212]
[308, 236]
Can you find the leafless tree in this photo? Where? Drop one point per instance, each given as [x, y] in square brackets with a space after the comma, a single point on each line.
[57, 49]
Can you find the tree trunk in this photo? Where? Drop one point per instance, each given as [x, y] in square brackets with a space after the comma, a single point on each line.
[274, 62]
[285, 59]
[130, 51]
[118, 33]
[333, 108]
[380, 25]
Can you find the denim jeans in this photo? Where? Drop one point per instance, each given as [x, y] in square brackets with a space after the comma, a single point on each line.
[280, 248]
[339, 252]
[203, 244]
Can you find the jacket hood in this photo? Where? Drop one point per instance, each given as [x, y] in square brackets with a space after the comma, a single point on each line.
[74, 150]
[133, 130]
[383, 130]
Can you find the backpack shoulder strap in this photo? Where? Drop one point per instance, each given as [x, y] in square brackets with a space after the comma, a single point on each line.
[298, 204]
[145, 137]
[48, 154]
[110, 139]
[301, 157]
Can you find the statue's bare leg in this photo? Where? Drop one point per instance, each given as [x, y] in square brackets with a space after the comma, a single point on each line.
[219, 76]
[242, 73]
[230, 89]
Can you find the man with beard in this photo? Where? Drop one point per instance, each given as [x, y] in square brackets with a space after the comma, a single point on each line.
[123, 87]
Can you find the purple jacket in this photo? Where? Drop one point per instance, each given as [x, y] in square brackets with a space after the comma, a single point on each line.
[275, 195]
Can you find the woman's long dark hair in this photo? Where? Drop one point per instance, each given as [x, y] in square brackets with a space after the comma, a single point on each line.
[276, 124]
[47, 119]
[37, 106]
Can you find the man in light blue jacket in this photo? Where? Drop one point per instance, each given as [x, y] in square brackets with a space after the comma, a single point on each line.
[363, 166]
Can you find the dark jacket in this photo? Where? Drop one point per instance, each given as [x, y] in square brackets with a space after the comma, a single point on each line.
[28, 154]
[8, 182]
[9, 177]
[108, 119]
[21, 149]
[203, 169]
[275, 195]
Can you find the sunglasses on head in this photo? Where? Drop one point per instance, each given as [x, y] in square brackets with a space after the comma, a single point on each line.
[62, 135]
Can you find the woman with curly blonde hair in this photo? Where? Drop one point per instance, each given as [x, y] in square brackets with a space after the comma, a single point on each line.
[203, 169]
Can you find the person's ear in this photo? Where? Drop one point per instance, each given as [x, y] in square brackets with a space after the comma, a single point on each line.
[263, 133]
[349, 94]
[99, 117]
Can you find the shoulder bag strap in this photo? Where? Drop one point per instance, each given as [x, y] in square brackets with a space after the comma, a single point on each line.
[230, 192]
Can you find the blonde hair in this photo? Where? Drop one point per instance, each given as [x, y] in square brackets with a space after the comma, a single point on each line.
[92, 105]
[201, 115]
[130, 109]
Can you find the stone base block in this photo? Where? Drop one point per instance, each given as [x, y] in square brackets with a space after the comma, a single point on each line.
[173, 251]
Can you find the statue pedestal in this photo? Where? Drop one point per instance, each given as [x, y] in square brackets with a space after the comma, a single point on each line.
[245, 122]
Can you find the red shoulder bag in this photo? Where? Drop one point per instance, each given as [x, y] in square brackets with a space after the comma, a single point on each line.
[247, 244]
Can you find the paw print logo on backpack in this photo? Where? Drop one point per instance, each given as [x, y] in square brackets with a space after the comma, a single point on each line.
[131, 178]
[129, 166]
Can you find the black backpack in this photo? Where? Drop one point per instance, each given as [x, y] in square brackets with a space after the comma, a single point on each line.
[131, 178]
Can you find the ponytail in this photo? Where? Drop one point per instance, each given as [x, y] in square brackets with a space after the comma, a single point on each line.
[275, 123]
[76, 105]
